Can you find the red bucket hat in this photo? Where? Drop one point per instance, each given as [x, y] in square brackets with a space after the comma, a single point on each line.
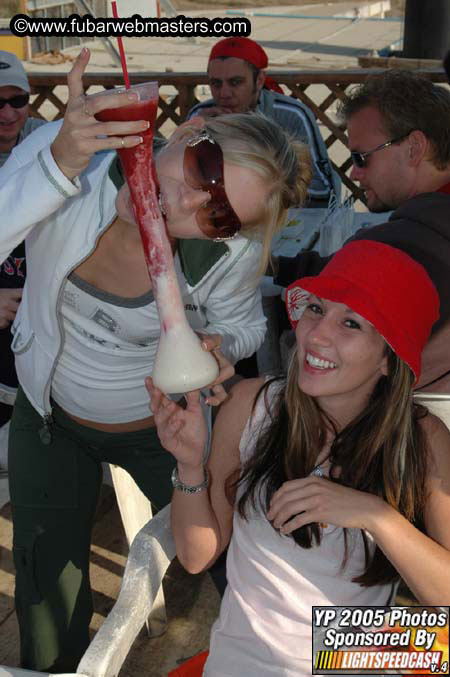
[247, 50]
[382, 284]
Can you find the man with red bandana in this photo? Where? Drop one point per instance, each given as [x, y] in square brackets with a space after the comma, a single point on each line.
[239, 83]
[398, 127]
[15, 125]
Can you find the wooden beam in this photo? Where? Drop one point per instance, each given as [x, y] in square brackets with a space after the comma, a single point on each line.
[397, 62]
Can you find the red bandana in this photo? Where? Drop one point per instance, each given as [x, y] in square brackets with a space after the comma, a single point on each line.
[247, 50]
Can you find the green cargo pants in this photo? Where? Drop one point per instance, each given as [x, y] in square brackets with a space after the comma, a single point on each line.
[54, 492]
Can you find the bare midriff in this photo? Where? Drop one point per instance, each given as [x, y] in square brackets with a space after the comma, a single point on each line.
[126, 427]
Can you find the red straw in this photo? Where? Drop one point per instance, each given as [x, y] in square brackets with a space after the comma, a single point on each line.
[121, 49]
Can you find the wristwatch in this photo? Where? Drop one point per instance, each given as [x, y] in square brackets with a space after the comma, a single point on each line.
[185, 488]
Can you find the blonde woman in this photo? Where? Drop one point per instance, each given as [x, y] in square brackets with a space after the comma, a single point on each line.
[87, 330]
[328, 485]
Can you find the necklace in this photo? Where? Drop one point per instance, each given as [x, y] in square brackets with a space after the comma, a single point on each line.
[318, 471]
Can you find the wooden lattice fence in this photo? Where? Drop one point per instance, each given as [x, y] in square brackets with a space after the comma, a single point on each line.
[178, 96]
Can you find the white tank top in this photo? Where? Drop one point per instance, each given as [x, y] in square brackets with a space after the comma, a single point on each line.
[110, 343]
[264, 627]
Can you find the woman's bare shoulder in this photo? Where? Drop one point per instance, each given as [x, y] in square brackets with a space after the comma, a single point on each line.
[247, 387]
[236, 409]
[242, 396]
[229, 425]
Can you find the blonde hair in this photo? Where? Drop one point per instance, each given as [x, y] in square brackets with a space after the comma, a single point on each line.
[254, 141]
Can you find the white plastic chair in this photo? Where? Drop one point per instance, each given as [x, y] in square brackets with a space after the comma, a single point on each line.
[135, 512]
[150, 554]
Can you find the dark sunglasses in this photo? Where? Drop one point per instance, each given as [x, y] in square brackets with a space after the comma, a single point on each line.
[18, 101]
[203, 170]
[359, 159]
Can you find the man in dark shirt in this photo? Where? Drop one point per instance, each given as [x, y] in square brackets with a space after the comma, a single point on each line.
[15, 125]
[398, 127]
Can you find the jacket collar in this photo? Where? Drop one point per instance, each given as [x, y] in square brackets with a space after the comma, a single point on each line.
[265, 102]
[115, 173]
[197, 257]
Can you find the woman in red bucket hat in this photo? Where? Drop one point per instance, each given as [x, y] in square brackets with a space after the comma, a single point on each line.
[328, 484]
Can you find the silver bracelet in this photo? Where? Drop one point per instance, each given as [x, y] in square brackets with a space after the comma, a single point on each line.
[185, 488]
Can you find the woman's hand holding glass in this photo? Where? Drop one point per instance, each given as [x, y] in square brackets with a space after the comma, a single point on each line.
[182, 431]
[81, 135]
[212, 343]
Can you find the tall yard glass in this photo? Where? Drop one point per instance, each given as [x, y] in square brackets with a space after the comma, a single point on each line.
[180, 364]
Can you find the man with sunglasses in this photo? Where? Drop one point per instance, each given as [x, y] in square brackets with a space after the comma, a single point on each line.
[15, 125]
[238, 82]
[398, 127]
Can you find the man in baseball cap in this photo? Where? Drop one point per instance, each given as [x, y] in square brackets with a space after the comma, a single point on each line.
[239, 83]
[15, 125]
[14, 96]
[12, 72]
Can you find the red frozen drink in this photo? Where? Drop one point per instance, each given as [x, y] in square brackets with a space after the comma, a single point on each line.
[180, 363]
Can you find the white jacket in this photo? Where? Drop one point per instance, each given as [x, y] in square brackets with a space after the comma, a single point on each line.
[62, 220]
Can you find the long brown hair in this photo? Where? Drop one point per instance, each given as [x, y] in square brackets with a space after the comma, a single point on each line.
[382, 451]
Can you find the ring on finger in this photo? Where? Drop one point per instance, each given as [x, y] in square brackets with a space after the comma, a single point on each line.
[85, 108]
[122, 141]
